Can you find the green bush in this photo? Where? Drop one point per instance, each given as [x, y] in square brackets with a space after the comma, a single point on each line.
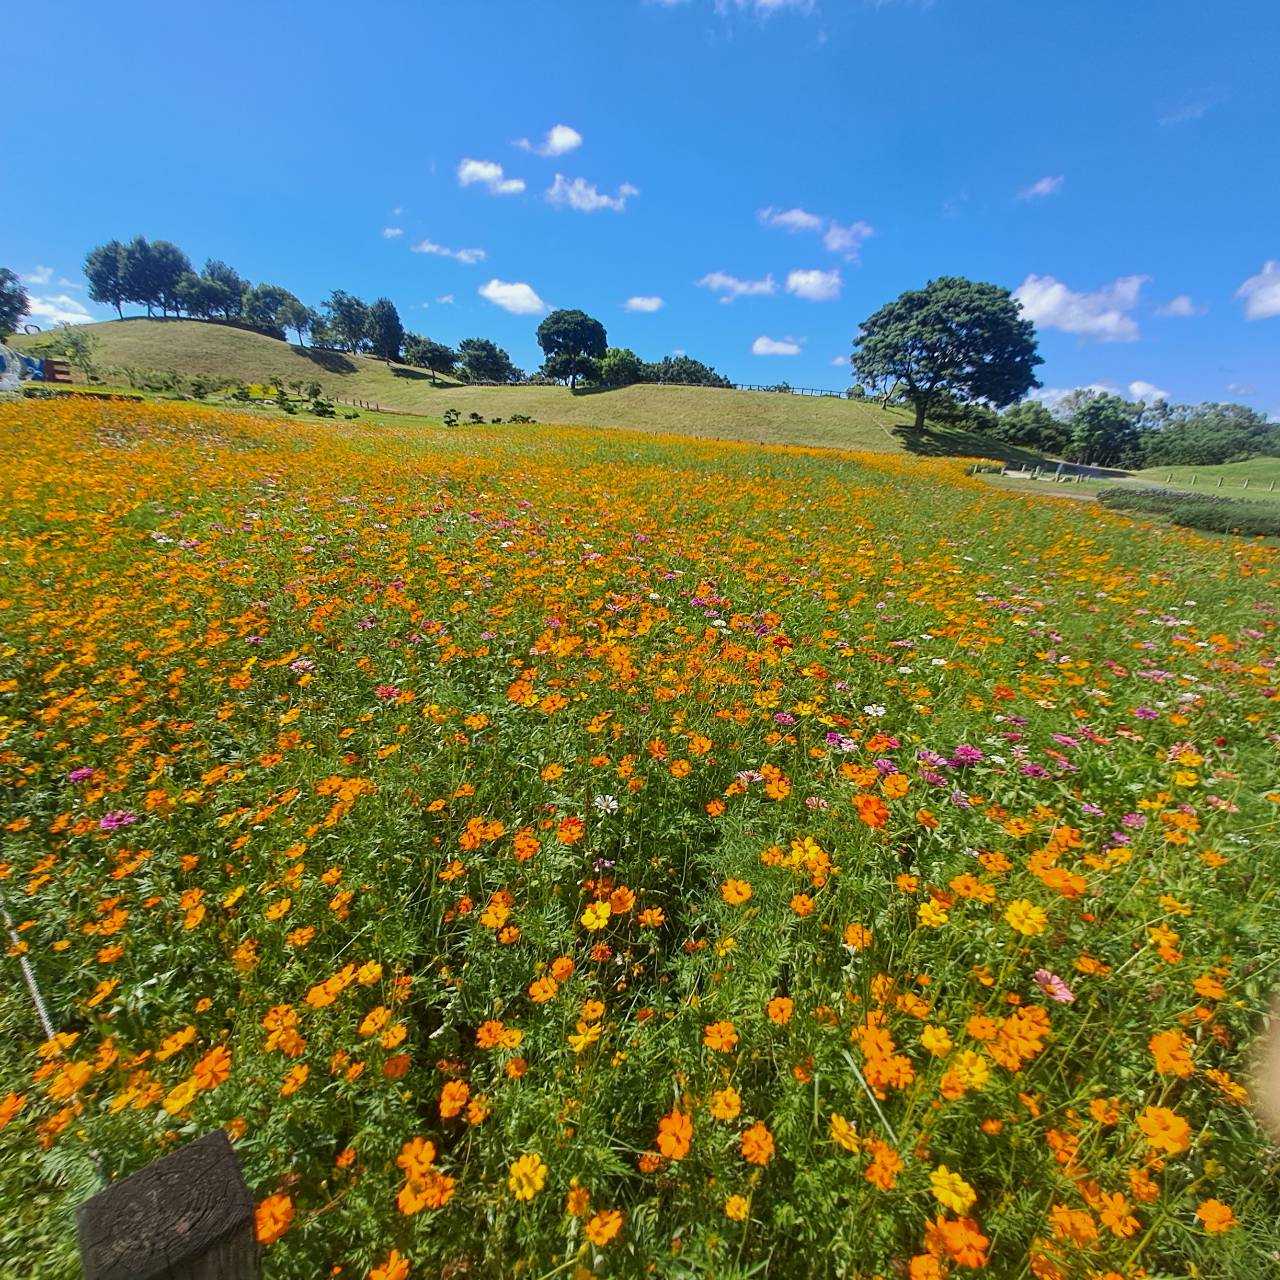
[1198, 510]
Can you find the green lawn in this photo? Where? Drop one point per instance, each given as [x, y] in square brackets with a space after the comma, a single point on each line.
[192, 347]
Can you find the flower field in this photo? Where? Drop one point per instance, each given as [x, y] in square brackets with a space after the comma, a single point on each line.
[551, 852]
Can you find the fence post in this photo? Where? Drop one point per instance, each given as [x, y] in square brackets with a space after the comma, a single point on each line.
[188, 1216]
[1246, 483]
[1219, 482]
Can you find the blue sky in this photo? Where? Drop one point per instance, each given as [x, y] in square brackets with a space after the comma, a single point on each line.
[771, 170]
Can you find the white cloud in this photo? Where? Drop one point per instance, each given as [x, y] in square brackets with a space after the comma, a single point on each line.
[1147, 391]
[815, 286]
[57, 309]
[560, 138]
[678, 351]
[848, 240]
[1240, 388]
[1261, 293]
[840, 361]
[490, 176]
[584, 196]
[1042, 187]
[468, 256]
[730, 287]
[791, 219]
[1179, 307]
[643, 304]
[445, 299]
[518, 298]
[1053, 397]
[37, 276]
[392, 233]
[763, 346]
[1103, 315]
[838, 238]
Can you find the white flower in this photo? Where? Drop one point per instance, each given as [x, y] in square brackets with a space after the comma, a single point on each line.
[606, 804]
[874, 709]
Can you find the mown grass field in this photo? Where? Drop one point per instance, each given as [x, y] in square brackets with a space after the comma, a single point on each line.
[561, 852]
[191, 347]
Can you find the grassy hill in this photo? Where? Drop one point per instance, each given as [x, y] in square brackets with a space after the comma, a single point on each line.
[192, 347]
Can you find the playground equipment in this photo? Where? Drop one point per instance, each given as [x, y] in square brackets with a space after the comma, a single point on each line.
[16, 369]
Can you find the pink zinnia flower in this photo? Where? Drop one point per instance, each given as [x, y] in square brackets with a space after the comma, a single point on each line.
[1054, 987]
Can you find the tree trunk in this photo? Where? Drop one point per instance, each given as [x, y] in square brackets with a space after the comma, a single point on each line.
[920, 405]
[119, 311]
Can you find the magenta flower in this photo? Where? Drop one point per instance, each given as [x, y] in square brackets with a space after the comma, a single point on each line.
[83, 774]
[1054, 987]
[115, 819]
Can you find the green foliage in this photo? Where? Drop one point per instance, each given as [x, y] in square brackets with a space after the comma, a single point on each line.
[967, 339]
[263, 306]
[384, 331]
[1030, 423]
[76, 346]
[621, 367]
[233, 285]
[347, 320]
[1204, 435]
[1104, 429]
[485, 361]
[1205, 511]
[13, 301]
[168, 265]
[573, 343]
[296, 315]
[424, 353]
[105, 268]
[684, 371]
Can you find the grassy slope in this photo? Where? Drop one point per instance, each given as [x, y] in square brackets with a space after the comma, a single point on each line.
[191, 347]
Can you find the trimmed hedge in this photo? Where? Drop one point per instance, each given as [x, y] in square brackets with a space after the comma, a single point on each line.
[1198, 510]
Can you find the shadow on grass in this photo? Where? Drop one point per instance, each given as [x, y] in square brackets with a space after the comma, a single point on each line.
[946, 442]
[329, 361]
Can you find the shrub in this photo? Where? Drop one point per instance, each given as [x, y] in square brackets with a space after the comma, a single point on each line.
[1209, 512]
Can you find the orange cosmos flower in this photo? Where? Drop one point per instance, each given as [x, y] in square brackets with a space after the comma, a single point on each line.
[720, 1036]
[395, 1267]
[1165, 1130]
[1215, 1216]
[272, 1218]
[604, 1226]
[675, 1135]
[757, 1144]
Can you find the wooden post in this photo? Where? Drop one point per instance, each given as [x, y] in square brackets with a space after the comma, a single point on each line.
[188, 1216]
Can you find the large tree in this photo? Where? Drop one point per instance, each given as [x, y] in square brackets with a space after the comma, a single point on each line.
[1203, 435]
[424, 353]
[231, 280]
[13, 301]
[485, 361]
[572, 342]
[104, 268]
[140, 284]
[385, 332]
[621, 367]
[348, 319]
[957, 336]
[263, 305]
[168, 266]
[684, 371]
[296, 315]
[201, 297]
[1104, 429]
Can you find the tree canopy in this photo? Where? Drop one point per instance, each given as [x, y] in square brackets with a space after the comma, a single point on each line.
[485, 361]
[573, 343]
[955, 336]
[13, 301]
[384, 330]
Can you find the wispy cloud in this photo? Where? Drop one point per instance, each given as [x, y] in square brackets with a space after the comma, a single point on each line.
[815, 286]
[560, 138]
[1261, 293]
[1185, 114]
[488, 174]
[37, 276]
[1102, 315]
[730, 287]
[57, 309]
[647, 304]
[1042, 187]
[392, 233]
[585, 197]
[1147, 391]
[468, 256]
[445, 299]
[763, 346]
[518, 297]
[791, 219]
